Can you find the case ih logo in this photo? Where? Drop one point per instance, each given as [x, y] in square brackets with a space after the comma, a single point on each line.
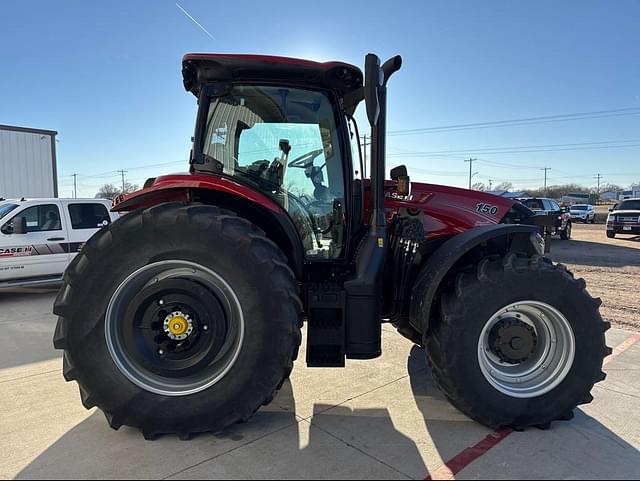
[16, 251]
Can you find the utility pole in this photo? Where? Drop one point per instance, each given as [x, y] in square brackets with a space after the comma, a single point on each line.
[122, 172]
[75, 186]
[599, 177]
[490, 185]
[365, 143]
[546, 169]
[471, 161]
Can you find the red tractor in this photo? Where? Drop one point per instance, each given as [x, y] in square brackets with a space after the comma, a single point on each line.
[185, 315]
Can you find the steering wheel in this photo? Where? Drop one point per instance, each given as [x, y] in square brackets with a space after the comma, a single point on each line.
[306, 160]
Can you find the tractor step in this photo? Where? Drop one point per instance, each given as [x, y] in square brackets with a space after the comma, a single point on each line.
[326, 328]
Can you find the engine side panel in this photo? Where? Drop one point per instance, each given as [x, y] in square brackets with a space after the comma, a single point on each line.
[447, 211]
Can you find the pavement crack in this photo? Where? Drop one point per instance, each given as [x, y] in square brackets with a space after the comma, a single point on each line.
[30, 376]
[235, 448]
[361, 451]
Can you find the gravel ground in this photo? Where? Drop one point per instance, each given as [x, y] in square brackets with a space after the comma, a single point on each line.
[611, 268]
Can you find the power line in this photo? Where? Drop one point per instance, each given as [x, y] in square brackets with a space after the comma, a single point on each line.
[529, 148]
[521, 121]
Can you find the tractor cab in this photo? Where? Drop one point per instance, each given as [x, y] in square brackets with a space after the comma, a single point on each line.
[279, 126]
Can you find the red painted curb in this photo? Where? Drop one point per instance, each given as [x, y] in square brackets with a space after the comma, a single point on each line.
[459, 462]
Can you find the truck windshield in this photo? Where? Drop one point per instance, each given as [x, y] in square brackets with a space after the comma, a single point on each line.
[579, 207]
[629, 205]
[285, 142]
[6, 208]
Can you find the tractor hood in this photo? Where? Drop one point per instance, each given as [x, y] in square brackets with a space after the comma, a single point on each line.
[445, 210]
[200, 68]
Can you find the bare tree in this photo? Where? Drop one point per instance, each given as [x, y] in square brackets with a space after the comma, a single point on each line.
[110, 191]
[504, 186]
[479, 186]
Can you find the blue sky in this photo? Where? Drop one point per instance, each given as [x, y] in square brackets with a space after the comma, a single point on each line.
[106, 75]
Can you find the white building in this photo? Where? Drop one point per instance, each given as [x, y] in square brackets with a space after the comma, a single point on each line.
[27, 162]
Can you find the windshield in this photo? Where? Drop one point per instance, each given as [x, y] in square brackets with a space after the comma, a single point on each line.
[285, 142]
[6, 208]
[533, 204]
[629, 205]
[579, 207]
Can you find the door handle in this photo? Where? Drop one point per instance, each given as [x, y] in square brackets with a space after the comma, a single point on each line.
[55, 239]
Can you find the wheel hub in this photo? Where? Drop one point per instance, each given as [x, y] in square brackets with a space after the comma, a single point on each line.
[174, 328]
[513, 340]
[178, 326]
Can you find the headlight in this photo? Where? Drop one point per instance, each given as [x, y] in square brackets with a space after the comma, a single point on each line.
[538, 243]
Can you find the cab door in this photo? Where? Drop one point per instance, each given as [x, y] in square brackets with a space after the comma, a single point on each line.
[84, 220]
[40, 252]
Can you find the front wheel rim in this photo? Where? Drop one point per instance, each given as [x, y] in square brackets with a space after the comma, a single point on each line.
[174, 328]
[539, 361]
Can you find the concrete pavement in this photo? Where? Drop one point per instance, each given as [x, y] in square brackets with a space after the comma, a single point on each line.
[374, 419]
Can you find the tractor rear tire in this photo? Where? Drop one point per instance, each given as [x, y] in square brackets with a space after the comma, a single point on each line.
[472, 364]
[234, 344]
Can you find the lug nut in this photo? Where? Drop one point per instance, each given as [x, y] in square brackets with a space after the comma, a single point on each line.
[160, 352]
[205, 328]
[161, 302]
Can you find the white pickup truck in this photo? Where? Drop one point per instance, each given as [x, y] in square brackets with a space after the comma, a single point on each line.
[40, 237]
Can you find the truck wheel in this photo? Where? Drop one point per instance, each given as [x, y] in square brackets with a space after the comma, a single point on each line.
[178, 319]
[566, 233]
[519, 343]
[611, 234]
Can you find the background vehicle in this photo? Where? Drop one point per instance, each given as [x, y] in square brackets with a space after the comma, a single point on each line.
[550, 208]
[624, 218]
[40, 237]
[583, 213]
[184, 316]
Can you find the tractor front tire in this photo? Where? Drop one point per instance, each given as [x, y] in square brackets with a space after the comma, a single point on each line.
[519, 342]
[182, 318]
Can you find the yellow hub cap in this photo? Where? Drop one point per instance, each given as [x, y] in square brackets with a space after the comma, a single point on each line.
[178, 326]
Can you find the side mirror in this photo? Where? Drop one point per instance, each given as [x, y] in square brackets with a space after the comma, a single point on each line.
[17, 226]
[373, 80]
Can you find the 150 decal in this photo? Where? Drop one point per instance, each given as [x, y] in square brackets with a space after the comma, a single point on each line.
[487, 209]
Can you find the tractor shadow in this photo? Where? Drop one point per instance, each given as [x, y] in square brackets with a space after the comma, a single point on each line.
[390, 432]
[28, 324]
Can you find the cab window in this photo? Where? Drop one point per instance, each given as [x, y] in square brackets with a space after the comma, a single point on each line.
[42, 218]
[88, 216]
[285, 143]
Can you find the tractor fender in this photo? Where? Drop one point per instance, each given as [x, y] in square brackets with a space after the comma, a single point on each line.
[223, 192]
[510, 238]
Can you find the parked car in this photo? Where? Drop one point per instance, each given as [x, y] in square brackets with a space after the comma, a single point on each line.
[40, 237]
[561, 218]
[583, 213]
[624, 218]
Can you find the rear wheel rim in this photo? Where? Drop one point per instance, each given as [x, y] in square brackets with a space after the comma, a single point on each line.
[526, 349]
[174, 328]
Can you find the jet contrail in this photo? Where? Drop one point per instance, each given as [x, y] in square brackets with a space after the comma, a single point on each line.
[195, 21]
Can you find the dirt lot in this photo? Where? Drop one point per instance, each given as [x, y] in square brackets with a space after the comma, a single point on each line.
[611, 268]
